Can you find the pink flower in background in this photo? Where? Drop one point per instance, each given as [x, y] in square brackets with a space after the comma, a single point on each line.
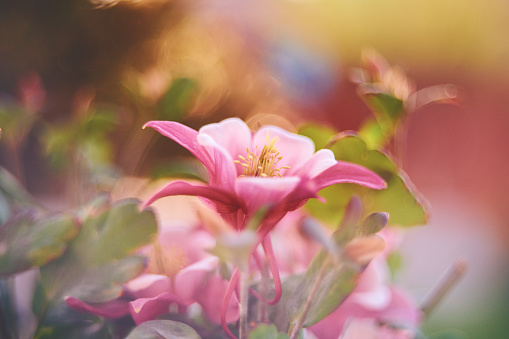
[247, 171]
[180, 272]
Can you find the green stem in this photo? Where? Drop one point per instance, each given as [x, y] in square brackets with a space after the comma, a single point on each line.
[264, 289]
[244, 299]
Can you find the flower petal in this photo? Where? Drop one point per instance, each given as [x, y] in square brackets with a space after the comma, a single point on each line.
[222, 200]
[256, 192]
[224, 167]
[148, 285]
[295, 149]
[186, 137]
[232, 135]
[145, 309]
[346, 172]
[190, 281]
[210, 296]
[112, 309]
[319, 162]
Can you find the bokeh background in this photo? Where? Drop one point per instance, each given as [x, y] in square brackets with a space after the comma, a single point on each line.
[285, 62]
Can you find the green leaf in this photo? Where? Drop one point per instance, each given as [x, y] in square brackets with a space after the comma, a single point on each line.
[12, 194]
[404, 204]
[448, 334]
[330, 278]
[373, 134]
[163, 329]
[373, 224]
[337, 281]
[386, 107]
[8, 312]
[321, 135]
[99, 259]
[266, 331]
[29, 240]
[178, 99]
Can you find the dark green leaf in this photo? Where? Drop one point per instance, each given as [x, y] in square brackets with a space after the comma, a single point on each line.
[163, 329]
[29, 240]
[178, 99]
[8, 313]
[386, 107]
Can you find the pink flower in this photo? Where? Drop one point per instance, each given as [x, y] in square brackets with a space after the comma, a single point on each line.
[247, 171]
[180, 273]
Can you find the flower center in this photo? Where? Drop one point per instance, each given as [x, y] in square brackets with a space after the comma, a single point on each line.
[166, 260]
[263, 164]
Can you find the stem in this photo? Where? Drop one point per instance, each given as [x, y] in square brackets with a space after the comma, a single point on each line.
[295, 329]
[444, 286]
[244, 299]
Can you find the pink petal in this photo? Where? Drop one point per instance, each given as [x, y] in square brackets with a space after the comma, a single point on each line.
[232, 135]
[210, 298]
[148, 285]
[295, 149]
[224, 167]
[319, 162]
[222, 200]
[185, 136]
[256, 192]
[403, 309]
[346, 172]
[145, 309]
[111, 309]
[190, 281]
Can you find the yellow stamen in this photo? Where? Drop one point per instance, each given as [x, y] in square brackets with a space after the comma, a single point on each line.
[263, 164]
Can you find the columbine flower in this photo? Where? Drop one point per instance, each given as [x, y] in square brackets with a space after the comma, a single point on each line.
[248, 171]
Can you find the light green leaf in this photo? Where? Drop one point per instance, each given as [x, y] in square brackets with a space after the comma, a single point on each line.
[404, 204]
[163, 329]
[266, 331]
